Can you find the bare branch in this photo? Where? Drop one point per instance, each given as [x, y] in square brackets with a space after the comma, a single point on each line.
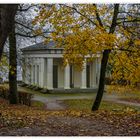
[24, 25]
[24, 10]
[114, 20]
[33, 36]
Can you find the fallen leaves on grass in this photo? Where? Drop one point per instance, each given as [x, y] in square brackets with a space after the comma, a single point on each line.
[20, 116]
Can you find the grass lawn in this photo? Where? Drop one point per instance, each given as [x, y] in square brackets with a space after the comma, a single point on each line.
[38, 104]
[132, 94]
[86, 104]
[55, 94]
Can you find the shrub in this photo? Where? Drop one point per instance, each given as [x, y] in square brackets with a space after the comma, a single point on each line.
[4, 92]
[25, 98]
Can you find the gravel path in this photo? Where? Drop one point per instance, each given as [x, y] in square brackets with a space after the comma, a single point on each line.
[56, 103]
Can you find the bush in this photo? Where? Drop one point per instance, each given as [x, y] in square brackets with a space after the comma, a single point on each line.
[24, 97]
[4, 92]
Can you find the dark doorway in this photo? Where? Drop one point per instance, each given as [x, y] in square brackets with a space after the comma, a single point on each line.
[88, 76]
[71, 77]
[55, 76]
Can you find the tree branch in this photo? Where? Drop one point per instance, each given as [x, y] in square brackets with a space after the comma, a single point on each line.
[33, 36]
[114, 20]
[98, 16]
[126, 50]
[80, 14]
[24, 25]
[24, 10]
[128, 21]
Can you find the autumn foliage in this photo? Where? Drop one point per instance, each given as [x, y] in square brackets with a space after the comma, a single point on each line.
[83, 29]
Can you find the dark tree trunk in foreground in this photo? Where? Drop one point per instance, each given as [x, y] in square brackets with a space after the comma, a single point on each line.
[102, 80]
[104, 63]
[13, 94]
[7, 15]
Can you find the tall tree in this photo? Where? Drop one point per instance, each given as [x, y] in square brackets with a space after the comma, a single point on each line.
[7, 15]
[13, 98]
[22, 28]
[13, 54]
[105, 61]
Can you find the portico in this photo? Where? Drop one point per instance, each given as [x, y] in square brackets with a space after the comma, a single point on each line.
[44, 68]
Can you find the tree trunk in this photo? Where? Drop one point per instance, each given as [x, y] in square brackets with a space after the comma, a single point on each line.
[102, 80]
[13, 94]
[7, 15]
[104, 63]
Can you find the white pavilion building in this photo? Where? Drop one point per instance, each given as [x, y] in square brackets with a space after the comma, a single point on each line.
[43, 67]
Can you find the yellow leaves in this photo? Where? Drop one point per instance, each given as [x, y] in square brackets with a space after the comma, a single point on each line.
[38, 31]
[12, 72]
[34, 21]
[137, 42]
[78, 31]
[4, 61]
[3, 66]
[125, 68]
[82, 42]
[111, 89]
[85, 42]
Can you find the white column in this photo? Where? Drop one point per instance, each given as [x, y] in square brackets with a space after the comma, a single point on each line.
[99, 68]
[94, 73]
[23, 70]
[35, 74]
[67, 77]
[41, 73]
[33, 71]
[32, 78]
[83, 76]
[30, 70]
[27, 71]
[50, 73]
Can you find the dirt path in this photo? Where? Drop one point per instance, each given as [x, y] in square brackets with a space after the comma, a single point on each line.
[50, 103]
[56, 103]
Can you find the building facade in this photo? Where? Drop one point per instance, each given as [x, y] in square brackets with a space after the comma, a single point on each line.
[43, 67]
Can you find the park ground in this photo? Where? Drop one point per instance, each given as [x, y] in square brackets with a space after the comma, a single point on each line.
[70, 115]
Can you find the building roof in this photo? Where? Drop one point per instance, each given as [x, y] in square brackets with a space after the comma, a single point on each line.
[41, 46]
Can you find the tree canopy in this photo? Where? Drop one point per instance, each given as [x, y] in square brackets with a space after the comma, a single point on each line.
[85, 29]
